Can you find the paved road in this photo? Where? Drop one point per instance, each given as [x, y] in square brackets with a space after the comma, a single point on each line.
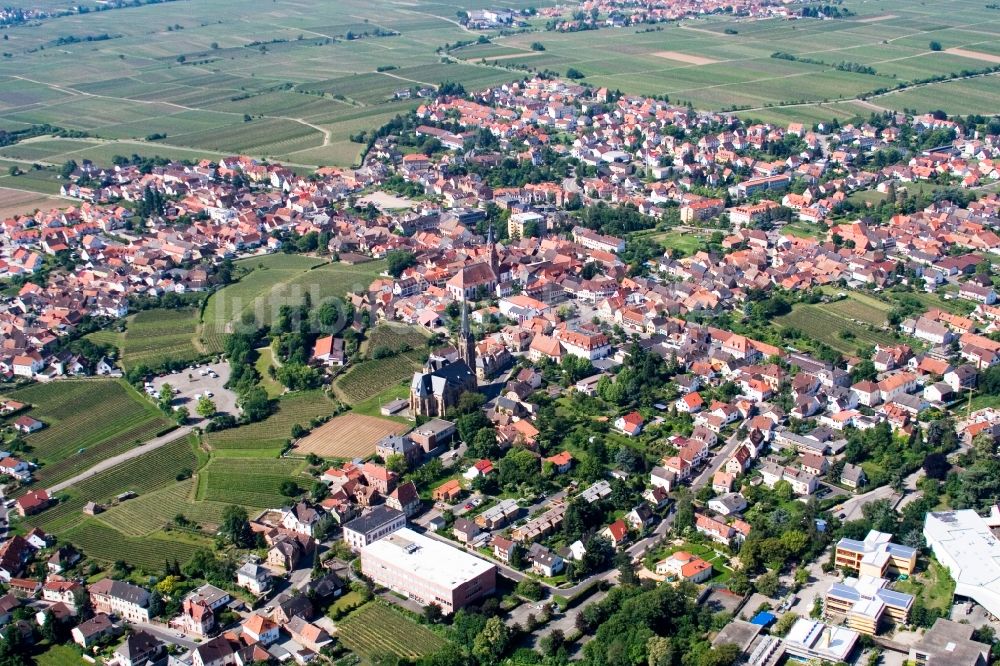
[166, 635]
[639, 548]
[145, 447]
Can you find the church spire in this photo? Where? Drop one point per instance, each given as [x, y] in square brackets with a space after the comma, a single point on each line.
[465, 318]
[491, 243]
[466, 343]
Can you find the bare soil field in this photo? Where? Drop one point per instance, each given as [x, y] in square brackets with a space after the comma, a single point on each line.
[348, 436]
[975, 55]
[685, 58]
[874, 19]
[19, 202]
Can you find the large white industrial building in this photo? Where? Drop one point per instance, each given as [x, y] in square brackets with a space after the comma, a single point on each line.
[964, 542]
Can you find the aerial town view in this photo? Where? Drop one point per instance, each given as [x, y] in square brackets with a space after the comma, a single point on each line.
[499, 332]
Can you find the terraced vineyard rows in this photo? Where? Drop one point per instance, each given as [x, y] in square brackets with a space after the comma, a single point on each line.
[272, 432]
[376, 629]
[148, 472]
[829, 327]
[86, 420]
[372, 377]
[153, 511]
[155, 336]
[149, 553]
[395, 338]
[247, 481]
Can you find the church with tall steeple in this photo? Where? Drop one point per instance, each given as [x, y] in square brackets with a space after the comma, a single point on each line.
[436, 390]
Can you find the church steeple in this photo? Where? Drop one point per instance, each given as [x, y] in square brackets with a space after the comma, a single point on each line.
[491, 243]
[466, 343]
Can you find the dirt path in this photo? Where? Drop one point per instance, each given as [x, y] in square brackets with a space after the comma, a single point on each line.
[104, 465]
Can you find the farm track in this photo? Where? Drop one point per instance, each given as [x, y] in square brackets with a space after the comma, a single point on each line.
[108, 463]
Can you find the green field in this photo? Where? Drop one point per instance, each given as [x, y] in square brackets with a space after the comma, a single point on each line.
[87, 420]
[378, 629]
[278, 280]
[272, 433]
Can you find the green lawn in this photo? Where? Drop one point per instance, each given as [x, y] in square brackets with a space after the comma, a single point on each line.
[265, 360]
[59, 655]
[935, 586]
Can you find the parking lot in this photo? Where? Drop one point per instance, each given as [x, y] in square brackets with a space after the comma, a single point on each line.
[190, 384]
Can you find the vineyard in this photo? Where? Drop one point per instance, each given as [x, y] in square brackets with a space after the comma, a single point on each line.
[395, 338]
[348, 436]
[153, 337]
[149, 553]
[278, 280]
[146, 473]
[275, 430]
[148, 513]
[852, 308]
[86, 421]
[377, 629]
[833, 329]
[252, 482]
[372, 377]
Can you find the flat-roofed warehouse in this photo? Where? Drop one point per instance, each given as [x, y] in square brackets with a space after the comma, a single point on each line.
[964, 543]
[428, 571]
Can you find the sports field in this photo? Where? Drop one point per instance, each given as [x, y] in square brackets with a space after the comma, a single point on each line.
[348, 436]
[86, 421]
